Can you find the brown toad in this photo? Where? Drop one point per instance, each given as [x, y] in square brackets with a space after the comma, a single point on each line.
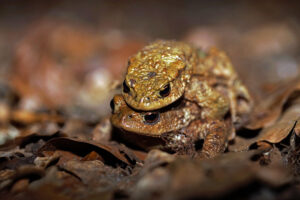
[164, 71]
[179, 126]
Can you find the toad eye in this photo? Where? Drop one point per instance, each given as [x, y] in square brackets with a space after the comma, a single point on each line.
[112, 105]
[151, 118]
[166, 91]
[125, 87]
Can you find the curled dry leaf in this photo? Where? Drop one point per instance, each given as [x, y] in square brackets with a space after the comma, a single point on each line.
[112, 154]
[269, 109]
[281, 129]
[278, 115]
[287, 123]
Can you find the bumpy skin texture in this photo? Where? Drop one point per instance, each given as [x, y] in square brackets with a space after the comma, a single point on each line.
[153, 68]
[185, 93]
[179, 126]
[208, 78]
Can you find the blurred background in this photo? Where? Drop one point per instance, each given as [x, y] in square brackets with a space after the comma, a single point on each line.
[69, 55]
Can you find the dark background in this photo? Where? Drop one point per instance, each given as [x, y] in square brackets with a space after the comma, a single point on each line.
[261, 37]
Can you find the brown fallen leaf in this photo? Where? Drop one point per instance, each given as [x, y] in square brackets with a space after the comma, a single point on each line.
[17, 162]
[62, 156]
[287, 123]
[111, 153]
[269, 109]
[283, 127]
[28, 138]
[278, 120]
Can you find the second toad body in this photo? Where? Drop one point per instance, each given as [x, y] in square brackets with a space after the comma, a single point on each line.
[165, 73]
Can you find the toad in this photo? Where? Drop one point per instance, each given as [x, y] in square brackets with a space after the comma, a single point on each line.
[165, 71]
[180, 126]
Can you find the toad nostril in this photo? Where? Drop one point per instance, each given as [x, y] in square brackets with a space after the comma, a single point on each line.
[151, 74]
[145, 99]
[112, 105]
[132, 82]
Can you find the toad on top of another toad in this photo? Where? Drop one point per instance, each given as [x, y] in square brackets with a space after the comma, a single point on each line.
[162, 72]
[157, 75]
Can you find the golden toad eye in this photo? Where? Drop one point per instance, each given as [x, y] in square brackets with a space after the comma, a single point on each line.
[151, 118]
[125, 87]
[166, 91]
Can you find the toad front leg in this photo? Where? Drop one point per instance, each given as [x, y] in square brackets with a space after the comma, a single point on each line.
[215, 141]
[215, 134]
